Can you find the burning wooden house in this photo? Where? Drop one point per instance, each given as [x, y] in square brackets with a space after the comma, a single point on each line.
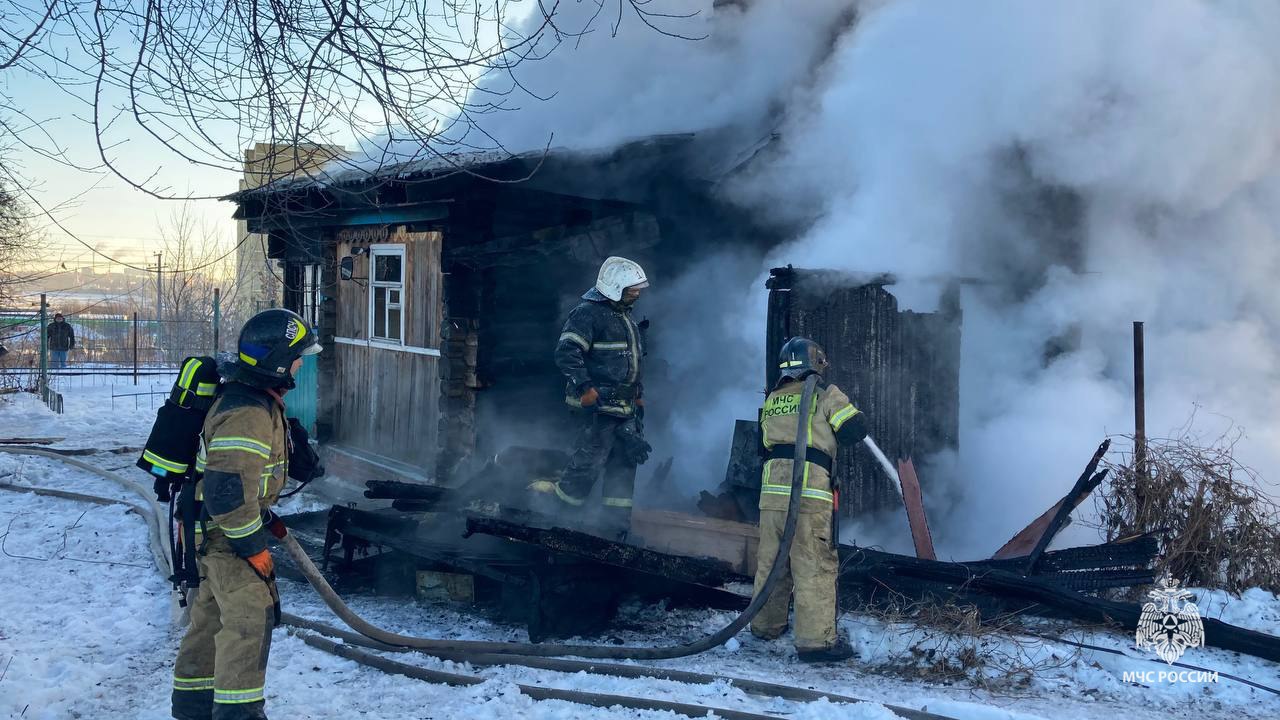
[440, 287]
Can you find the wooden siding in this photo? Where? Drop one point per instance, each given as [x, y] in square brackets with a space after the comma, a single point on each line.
[900, 367]
[386, 400]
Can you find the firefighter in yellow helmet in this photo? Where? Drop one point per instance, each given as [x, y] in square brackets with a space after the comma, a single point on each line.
[813, 563]
[221, 670]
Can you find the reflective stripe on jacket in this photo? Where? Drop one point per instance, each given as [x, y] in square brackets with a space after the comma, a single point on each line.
[778, 420]
[244, 460]
[601, 346]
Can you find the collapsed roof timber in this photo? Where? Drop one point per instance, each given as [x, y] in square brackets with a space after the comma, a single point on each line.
[441, 395]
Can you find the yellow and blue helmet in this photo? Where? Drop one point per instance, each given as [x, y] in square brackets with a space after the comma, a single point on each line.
[271, 340]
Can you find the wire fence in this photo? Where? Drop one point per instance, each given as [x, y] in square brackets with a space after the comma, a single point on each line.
[109, 340]
[146, 389]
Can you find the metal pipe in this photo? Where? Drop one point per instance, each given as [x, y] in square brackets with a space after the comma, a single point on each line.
[1139, 402]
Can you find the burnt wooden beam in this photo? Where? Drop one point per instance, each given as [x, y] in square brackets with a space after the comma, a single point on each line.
[395, 490]
[1085, 484]
[1085, 569]
[697, 571]
[1075, 605]
[427, 537]
[1136, 553]
[1025, 541]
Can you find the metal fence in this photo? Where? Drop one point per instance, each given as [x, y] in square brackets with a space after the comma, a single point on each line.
[105, 346]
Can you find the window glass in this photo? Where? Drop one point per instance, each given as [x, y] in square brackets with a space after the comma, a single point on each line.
[386, 293]
[393, 323]
[380, 312]
[387, 268]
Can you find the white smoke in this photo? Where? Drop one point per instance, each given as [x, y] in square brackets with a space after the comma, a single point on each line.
[1091, 163]
[607, 79]
[1163, 123]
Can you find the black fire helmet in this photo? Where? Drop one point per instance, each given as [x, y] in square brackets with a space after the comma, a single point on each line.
[271, 340]
[800, 358]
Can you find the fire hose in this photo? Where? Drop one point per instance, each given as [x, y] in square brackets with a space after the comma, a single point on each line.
[494, 653]
[716, 639]
[155, 531]
[340, 608]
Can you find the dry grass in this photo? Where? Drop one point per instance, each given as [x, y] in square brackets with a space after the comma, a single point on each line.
[1219, 528]
[952, 643]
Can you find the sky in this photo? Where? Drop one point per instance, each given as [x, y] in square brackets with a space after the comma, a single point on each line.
[102, 209]
[98, 207]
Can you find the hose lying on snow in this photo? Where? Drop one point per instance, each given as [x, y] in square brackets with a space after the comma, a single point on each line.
[537, 692]
[592, 667]
[704, 644]
[367, 629]
[157, 532]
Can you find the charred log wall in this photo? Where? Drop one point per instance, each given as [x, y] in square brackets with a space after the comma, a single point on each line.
[900, 367]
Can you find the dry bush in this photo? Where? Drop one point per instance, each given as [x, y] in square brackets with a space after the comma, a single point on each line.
[1219, 528]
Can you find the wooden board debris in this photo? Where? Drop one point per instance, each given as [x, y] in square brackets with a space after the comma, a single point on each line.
[914, 502]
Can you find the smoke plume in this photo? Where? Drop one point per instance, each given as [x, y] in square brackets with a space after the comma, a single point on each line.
[1087, 164]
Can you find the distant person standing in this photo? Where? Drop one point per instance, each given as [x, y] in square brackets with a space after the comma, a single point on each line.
[61, 339]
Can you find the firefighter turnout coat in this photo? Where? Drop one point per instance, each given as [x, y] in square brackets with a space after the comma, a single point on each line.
[814, 563]
[221, 665]
[601, 346]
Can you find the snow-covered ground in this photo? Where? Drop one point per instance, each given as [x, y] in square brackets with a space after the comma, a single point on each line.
[86, 631]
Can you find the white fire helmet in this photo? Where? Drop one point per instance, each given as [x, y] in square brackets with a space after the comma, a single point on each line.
[618, 274]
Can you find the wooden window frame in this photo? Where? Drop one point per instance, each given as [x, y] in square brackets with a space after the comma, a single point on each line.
[375, 251]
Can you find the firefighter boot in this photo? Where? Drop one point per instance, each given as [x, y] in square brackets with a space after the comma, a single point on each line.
[841, 650]
[244, 711]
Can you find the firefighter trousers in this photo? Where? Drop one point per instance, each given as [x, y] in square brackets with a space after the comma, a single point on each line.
[811, 575]
[596, 450]
[221, 668]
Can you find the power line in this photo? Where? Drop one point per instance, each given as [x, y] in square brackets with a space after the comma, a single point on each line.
[103, 255]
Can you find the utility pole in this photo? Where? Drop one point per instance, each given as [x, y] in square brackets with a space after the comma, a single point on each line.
[217, 317]
[135, 348]
[44, 347]
[159, 299]
[159, 287]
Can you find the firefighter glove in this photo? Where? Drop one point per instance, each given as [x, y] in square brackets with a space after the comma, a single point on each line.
[161, 486]
[276, 526]
[304, 461]
[263, 565]
[590, 397]
[634, 447]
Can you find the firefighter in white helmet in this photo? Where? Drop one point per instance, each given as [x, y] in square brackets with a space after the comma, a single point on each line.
[600, 352]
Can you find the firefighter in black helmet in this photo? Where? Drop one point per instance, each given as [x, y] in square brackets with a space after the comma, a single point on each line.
[813, 562]
[220, 672]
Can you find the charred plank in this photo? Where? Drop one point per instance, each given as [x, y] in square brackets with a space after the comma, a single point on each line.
[698, 571]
